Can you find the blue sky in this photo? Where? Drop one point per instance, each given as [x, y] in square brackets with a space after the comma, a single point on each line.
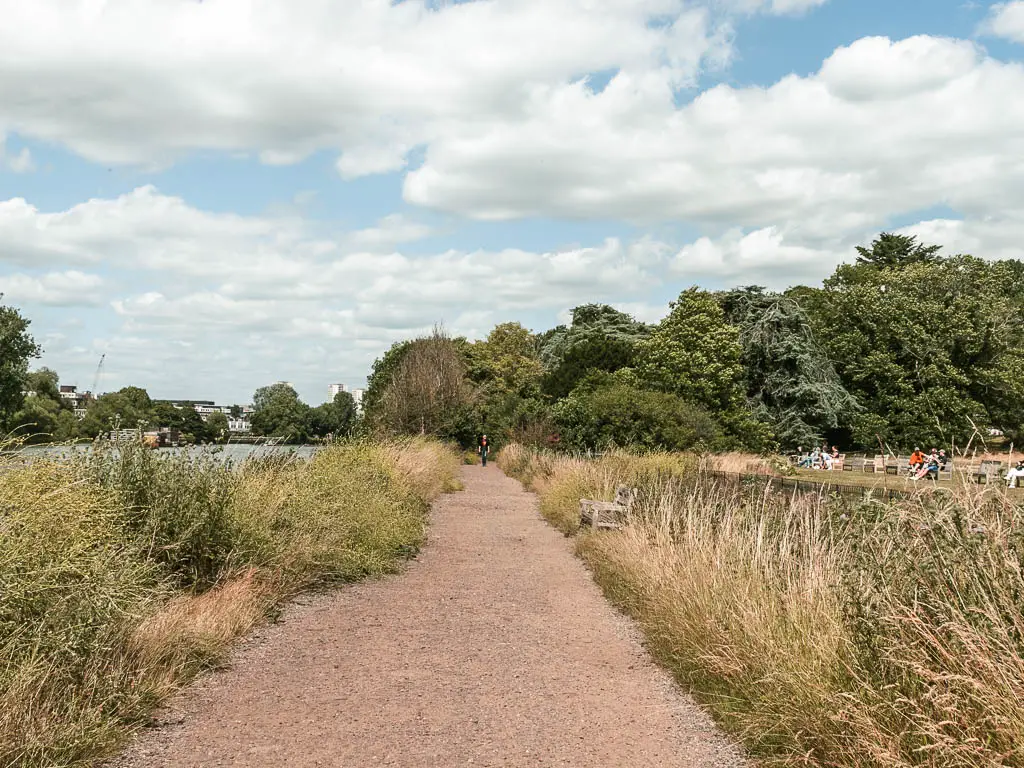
[219, 199]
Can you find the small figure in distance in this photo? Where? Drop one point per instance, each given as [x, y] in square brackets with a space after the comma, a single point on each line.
[483, 448]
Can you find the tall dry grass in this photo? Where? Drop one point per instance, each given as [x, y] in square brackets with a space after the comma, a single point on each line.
[823, 633]
[123, 574]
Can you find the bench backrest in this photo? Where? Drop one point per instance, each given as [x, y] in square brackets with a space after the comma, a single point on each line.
[625, 496]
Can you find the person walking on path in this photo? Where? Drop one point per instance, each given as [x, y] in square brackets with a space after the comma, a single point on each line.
[484, 448]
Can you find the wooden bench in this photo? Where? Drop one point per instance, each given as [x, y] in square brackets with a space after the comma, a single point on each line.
[607, 514]
[989, 470]
[858, 464]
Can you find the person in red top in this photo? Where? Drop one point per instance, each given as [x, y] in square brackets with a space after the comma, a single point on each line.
[916, 460]
[483, 448]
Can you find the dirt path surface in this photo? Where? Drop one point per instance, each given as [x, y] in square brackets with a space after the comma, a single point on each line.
[495, 648]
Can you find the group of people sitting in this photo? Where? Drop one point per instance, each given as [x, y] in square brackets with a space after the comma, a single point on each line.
[920, 464]
[927, 466]
[819, 458]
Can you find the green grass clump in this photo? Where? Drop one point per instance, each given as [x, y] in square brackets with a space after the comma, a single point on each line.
[126, 572]
[344, 515]
[177, 506]
[72, 585]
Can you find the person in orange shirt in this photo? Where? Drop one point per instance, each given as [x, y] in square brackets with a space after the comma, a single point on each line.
[916, 460]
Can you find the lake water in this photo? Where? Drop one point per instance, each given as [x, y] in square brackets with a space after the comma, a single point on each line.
[235, 452]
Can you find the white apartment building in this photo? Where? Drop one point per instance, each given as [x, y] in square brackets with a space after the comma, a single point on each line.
[335, 390]
[205, 411]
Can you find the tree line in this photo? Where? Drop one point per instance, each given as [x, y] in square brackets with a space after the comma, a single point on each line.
[904, 346]
[31, 406]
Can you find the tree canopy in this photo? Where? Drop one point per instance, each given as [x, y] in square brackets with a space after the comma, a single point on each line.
[931, 349]
[600, 338]
[17, 348]
[790, 382]
[891, 251]
[278, 412]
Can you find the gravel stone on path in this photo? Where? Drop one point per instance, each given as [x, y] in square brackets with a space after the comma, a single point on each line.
[494, 648]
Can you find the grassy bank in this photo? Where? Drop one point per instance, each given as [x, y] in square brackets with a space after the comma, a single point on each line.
[123, 574]
[822, 633]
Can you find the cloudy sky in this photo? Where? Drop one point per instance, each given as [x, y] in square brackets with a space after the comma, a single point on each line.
[220, 194]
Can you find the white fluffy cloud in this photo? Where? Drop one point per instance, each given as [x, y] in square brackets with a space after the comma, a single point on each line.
[883, 128]
[1006, 20]
[142, 81]
[246, 300]
[59, 289]
[238, 301]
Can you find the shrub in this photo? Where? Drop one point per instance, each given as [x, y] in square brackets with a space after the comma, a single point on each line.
[176, 505]
[619, 414]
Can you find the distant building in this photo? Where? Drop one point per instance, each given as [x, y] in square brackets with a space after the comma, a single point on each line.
[205, 408]
[239, 426]
[206, 411]
[357, 396]
[335, 390]
[77, 400]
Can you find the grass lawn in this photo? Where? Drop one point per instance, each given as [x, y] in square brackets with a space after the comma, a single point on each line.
[892, 482]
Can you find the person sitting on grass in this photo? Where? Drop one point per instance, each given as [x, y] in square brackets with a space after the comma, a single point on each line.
[916, 461]
[1014, 473]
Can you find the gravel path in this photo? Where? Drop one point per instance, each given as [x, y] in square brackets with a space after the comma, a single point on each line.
[494, 648]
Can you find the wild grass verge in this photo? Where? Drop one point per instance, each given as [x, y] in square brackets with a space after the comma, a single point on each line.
[124, 573]
[822, 632]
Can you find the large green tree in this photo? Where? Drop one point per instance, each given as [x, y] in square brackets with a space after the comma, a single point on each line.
[384, 368]
[790, 382]
[128, 408]
[930, 347]
[217, 427]
[44, 415]
[185, 420]
[600, 338]
[506, 362]
[506, 371]
[17, 348]
[278, 412]
[695, 354]
[890, 250]
[428, 391]
[336, 418]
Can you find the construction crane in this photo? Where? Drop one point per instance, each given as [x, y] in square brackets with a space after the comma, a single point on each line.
[96, 378]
